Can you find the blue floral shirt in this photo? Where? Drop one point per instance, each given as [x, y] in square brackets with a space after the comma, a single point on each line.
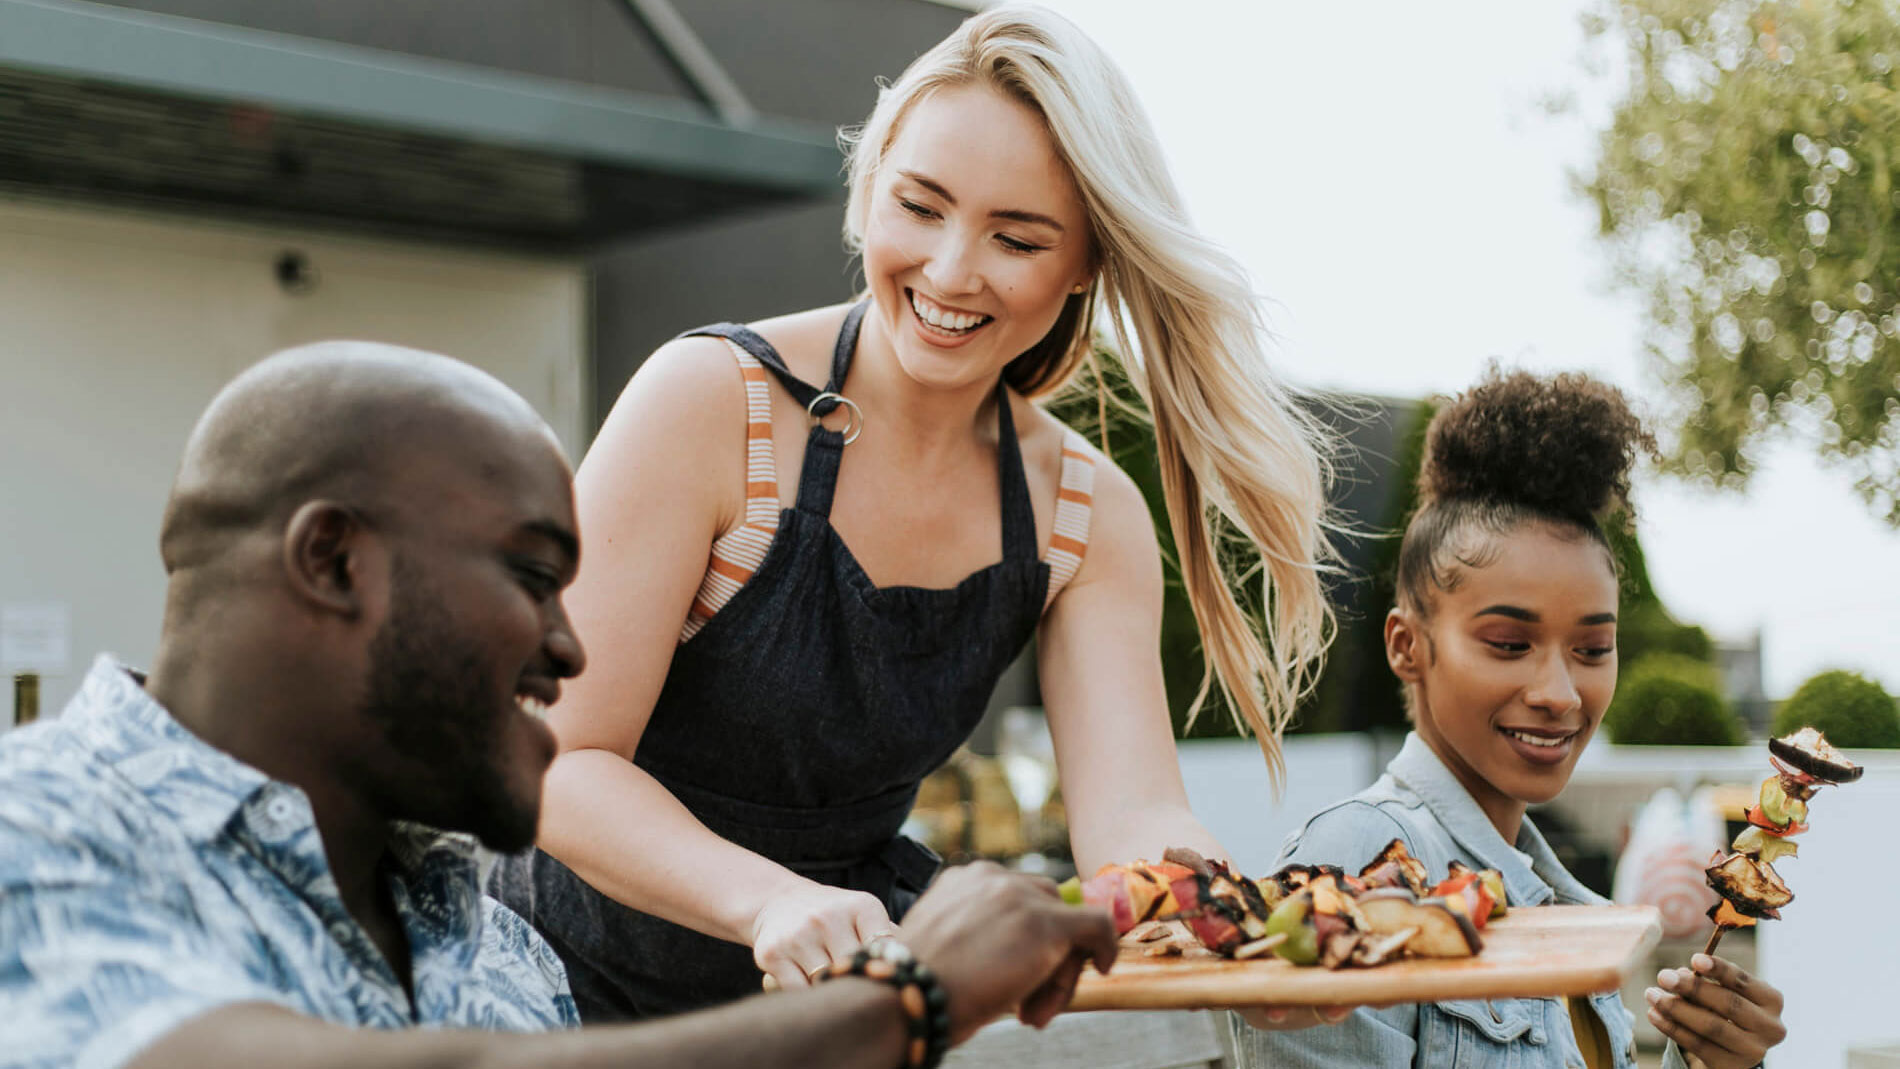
[1420, 801]
[147, 877]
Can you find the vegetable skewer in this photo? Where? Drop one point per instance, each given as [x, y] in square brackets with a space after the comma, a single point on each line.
[1745, 877]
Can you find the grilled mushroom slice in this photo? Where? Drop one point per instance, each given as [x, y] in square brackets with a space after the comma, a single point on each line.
[1379, 949]
[1752, 887]
[1808, 751]
[1442, 931]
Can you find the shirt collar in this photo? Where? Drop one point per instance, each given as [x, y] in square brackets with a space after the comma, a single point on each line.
[203, 788]
[1418, 769]
[414, 847]
[197, 785]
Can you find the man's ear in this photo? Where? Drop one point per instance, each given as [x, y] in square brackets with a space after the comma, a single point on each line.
[324, 557]
[1404, 645]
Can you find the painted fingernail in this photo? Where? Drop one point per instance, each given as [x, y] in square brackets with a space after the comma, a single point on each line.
[1654, 996]
[1276, 1016]
[1667, 978]
[1702, 963]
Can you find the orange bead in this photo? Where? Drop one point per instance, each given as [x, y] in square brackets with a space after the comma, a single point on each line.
[913, 999]
[916, 1052]
[879, 970]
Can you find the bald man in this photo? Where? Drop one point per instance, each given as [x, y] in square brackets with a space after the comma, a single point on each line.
[269, 842]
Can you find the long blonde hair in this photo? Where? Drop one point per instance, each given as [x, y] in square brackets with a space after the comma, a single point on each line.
[1237, 453]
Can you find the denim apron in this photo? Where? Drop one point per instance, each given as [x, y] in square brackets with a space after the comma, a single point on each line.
[798, 723]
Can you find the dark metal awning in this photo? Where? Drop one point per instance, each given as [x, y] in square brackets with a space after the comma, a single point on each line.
[104, 102]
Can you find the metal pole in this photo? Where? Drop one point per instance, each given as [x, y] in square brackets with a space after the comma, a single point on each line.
[701, 69]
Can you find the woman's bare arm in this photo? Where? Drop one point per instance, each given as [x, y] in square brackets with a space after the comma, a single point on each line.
[1100, 664]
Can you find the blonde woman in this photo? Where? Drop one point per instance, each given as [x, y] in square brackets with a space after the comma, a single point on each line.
[815, 543]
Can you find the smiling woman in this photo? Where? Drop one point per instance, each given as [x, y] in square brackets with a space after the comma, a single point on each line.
[816, 617]
[1504, 640]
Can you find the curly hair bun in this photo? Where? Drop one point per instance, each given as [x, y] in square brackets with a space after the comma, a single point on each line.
[1561, 445]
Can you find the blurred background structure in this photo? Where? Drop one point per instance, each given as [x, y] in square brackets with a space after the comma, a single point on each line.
[548, 188]
[552, 188]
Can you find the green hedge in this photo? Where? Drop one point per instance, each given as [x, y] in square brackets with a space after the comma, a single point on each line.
[1667, 699]
[1847, 707]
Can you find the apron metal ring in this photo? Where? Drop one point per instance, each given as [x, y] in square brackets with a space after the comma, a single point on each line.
[854, 416]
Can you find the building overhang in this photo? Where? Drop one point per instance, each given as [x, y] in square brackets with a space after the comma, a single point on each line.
[106, 102]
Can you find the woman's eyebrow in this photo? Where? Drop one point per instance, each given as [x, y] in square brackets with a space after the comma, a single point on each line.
[1014, 214]
[1598, 618]
[932, 185]
[1511, 611]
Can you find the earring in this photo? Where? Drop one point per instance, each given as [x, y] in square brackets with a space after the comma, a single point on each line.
[1079, 287]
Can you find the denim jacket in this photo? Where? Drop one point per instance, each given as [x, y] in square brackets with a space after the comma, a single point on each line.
[1420, 801]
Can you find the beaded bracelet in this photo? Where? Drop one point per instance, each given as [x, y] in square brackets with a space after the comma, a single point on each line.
[926, 1004]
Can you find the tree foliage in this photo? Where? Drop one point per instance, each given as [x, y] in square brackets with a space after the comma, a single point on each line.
[1746, 187]
[1644, 626]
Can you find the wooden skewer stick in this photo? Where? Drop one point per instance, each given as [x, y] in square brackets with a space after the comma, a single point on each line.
[1714, 938]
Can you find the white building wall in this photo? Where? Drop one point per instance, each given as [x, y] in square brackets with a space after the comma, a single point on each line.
[117, 328]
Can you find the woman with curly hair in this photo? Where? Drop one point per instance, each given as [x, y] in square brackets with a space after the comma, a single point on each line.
[1504, 639]
[815, 542]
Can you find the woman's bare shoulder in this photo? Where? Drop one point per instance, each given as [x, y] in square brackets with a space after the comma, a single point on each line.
[685, 403]
[1114, 491]
[1120, 526]
[694, 370]
[804, 340]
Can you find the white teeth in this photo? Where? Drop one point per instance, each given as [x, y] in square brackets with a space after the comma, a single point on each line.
[944, 320]
[534, 707]
[1538, 740]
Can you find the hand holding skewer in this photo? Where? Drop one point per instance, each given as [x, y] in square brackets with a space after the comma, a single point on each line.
[1717, 1012]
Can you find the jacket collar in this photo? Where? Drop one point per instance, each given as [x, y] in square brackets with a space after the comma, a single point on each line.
[1528, 882]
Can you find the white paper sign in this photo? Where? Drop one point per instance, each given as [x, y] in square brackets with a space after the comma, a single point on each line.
[36, 637]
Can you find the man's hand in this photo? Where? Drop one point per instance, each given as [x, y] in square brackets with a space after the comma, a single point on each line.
[1000, 940]
[1715, 1011]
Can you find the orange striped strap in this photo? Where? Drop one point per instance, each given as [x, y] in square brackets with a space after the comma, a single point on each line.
[737, 554]
[1075, 505]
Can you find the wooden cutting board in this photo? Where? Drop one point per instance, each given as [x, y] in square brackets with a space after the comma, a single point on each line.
[1528, 953]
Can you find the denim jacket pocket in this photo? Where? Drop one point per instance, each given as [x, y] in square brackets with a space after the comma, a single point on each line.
[1481, 1034]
